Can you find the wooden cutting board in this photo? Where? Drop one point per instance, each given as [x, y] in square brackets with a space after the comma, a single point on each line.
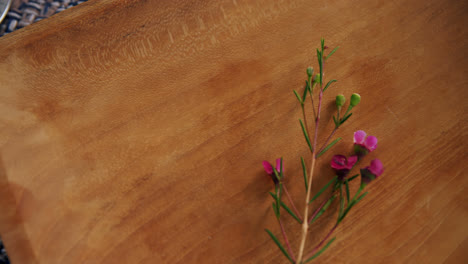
[133, 131]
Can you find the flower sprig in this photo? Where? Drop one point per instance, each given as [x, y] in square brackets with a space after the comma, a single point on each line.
[340, 164]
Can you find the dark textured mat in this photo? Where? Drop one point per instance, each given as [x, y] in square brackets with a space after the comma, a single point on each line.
[25, 12]
[3, 255]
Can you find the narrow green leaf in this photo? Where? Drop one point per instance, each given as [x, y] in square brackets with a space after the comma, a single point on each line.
[345, 118]
[291, 213]
[334, 121]
[273, 237]
[306, 135]
[328, 84]
[340, 218]
[347, 190]
[320, 251]
[327, 204]
[298, 97]
[324, 188]
[331, 53]
[337, 184]
[341, 200]
[353, 177]
[275, 209]
[304, 172]
[278, 199]
[351, 204]
[306, 89]
[311, 88]
[286, 208]
[360, 197]
[328, 147]
[321, 61]
[319, 58]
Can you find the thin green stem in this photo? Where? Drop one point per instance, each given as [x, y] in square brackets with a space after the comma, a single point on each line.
[347, 111]
[305, 120]
[312, 98]
[350, 205]
[305, 225]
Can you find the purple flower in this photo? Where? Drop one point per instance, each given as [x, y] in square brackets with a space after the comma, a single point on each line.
[343, 165]
[271, 171]
[372, 172]
[363, 144]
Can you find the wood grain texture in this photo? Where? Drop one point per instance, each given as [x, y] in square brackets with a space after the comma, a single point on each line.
[133, 131]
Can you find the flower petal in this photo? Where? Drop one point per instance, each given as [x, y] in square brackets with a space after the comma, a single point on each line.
[376, 167]
[371, 143]
[268, 167]
[351, 161]
[338, 162]
[359, 136]
[278, 165]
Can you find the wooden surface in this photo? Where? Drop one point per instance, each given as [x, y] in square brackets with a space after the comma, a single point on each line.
[133, 131]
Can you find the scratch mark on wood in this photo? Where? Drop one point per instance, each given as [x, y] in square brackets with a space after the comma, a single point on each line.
[170, 37]
[393, 114]
[202, 24]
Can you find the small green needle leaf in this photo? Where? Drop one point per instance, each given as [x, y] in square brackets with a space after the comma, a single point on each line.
[327, 204]
[275, 209]
[277, 205]
[328, 147]
[347, 190]
[320, 62]
[298, 97]
[350, 205]
[273, 237]
[328, 84]
[286, 208]
[341, 201]
[318, 57]
[324, 188]
[306, 89]
[304, 172]
[306, 135]
[331, 53]
[336, 123]
[360, 197]
[291, 213]
[321, 251]
[353, 177]
[345, 118]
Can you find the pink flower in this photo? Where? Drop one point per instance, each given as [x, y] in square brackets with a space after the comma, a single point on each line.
[372, 172]
[363, 144]
[270, 170]
[343, 165]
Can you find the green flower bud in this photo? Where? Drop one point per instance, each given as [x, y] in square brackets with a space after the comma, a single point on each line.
[340, 100]
[355, 99]
[317, 78]
[310, 71]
